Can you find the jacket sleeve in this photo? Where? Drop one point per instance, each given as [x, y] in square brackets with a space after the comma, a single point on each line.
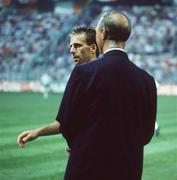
[70, 109]
[150, 111]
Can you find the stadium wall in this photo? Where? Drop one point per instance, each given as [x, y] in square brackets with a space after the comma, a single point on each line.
[36, 86]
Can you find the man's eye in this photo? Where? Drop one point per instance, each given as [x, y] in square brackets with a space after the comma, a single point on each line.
[77, 45]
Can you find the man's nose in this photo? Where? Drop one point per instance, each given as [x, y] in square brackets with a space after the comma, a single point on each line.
[72, 50]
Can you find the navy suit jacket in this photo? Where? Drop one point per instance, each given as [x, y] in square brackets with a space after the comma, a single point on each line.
[107, 115]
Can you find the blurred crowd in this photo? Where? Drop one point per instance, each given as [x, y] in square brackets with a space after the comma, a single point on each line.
[154, 30]
[33, 44]
[153, 42]
[27, 42]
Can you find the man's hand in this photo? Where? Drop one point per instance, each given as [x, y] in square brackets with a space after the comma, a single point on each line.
[50, 129]
[26, 136]
[68, 151]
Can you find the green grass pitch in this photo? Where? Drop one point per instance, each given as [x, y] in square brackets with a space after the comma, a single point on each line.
[45, 158]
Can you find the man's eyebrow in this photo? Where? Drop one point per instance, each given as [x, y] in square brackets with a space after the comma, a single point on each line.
[75, 44]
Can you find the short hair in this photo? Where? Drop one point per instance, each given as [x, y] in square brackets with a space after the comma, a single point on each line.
[90, 35]
[116, 28]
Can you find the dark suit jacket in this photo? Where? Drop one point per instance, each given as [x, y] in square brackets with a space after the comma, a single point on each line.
[107, 115]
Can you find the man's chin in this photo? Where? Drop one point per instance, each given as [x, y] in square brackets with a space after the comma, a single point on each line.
[76, 61]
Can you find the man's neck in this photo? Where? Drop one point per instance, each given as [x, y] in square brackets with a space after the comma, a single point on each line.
[112, 44]
[92, 58]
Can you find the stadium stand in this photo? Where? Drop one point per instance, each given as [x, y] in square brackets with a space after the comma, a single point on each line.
[36, 43]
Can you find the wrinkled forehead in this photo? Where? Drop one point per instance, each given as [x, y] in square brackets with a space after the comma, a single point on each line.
[79, 38]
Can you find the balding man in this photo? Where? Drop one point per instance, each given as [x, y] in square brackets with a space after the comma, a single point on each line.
[108, 110]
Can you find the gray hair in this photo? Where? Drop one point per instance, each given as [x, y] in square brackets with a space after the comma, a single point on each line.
[117, 26]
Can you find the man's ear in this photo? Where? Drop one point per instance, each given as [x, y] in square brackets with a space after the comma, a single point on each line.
[93, 48]
[103, 34]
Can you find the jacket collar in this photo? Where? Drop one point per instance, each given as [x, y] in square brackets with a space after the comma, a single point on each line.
[112, 49]
[115, 51]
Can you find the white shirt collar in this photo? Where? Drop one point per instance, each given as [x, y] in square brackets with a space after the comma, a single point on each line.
[112, 49]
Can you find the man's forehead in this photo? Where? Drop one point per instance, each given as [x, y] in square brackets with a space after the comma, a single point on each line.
[78, 38]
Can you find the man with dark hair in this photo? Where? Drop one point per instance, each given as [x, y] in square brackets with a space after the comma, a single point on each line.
[83, 45]
[83, 48]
